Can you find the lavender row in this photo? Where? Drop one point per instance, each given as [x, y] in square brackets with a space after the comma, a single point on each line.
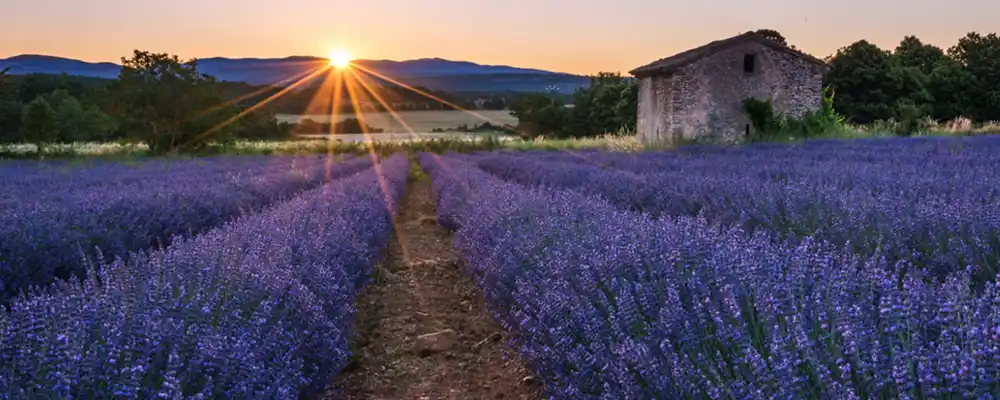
[69, 185]
[940, 221]
[258, 308]
[607, 303]
[57, 242]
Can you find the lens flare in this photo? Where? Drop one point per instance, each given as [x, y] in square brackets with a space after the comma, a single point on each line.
[340, 58]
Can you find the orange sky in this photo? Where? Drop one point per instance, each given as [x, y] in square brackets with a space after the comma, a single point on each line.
[579, 36]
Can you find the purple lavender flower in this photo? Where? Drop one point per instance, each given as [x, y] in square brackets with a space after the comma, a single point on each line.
[259, 307]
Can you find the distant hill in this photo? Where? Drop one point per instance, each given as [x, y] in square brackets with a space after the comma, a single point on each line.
[433, 73]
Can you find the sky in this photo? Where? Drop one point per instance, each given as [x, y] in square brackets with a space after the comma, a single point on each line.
[576, 36]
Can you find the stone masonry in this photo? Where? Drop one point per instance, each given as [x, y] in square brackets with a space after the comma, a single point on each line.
[699, 94]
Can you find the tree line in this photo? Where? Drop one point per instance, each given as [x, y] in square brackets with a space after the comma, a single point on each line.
[157, 100]
[917, 80]
[167, 104]
[911, 83]
[607, 105]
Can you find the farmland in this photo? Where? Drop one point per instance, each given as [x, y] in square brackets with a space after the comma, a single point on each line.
[824, 269]
[418, 121]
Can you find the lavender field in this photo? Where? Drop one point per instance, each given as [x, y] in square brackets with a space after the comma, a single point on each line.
[209, 278]
[863, 269]
[848, 270]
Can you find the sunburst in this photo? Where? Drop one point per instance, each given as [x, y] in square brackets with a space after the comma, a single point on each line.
[340, 58]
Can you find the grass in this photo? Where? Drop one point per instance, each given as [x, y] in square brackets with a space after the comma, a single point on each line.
[623, 141]
[121, 151]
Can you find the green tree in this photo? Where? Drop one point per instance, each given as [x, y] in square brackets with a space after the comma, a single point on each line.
[980, 57]
[911, 52]
[540, 114]
[4, 95]
[950, 84]
[78, 122]
[72, 120]
[169, 105]
[608, 105]
[627, 107]
[40, 125]
[869, 82]
[10, 119]
[11, 113]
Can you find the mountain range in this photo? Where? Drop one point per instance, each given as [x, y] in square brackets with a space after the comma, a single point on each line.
[432, 73]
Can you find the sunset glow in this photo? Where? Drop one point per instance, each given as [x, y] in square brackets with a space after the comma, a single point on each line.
[340, 58]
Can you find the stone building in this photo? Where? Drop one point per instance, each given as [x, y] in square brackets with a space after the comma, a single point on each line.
[699, 93]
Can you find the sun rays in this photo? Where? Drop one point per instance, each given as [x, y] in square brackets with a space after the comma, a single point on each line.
[340, 72]
[340, 75]
[340, 58]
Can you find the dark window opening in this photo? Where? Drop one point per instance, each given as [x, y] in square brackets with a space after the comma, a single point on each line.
[749, 62]
[748, 130]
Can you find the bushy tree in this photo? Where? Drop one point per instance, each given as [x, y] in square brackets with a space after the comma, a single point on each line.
[608, 105]
[913, 53]
[72, 120]
[169, 105]
[870, 82]
[918, 80]
[4, 94]
[540, 114]
[40, 125]
[11, 113]
[259, 125]
[980, 57]
[861, 75]
[950, 84]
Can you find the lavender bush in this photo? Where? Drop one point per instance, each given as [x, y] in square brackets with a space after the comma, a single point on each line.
[933, 203]
[609, 304]
[60, 232]
[257, 308]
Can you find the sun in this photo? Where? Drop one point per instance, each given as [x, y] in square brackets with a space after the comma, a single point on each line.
[340, 58]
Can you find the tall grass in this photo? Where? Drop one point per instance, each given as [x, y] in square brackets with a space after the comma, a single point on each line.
[612, 142]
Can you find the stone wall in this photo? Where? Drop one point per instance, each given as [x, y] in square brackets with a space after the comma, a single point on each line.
[704, 99]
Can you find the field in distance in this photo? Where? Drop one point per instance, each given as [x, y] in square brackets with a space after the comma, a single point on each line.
[418, 121]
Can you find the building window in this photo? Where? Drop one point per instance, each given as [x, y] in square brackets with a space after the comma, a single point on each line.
[749, 63]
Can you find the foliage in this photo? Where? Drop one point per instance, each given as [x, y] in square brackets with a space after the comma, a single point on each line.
[608, 105]
[917, 81]
[772, 35]
[354, 125]
[261, 125]
[912, 53]
[762, 115]
[980, 57]
[483, 127]
[769, 125]
[40, 125]
[3, 84]
[78, 123]
[11, 116]
[349, 125]
[867, 81]
[539, 114]
[169, 105]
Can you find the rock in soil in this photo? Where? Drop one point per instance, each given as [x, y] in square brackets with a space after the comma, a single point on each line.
[436, 342]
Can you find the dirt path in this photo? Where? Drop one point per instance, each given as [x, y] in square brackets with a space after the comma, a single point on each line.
[419, 290]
